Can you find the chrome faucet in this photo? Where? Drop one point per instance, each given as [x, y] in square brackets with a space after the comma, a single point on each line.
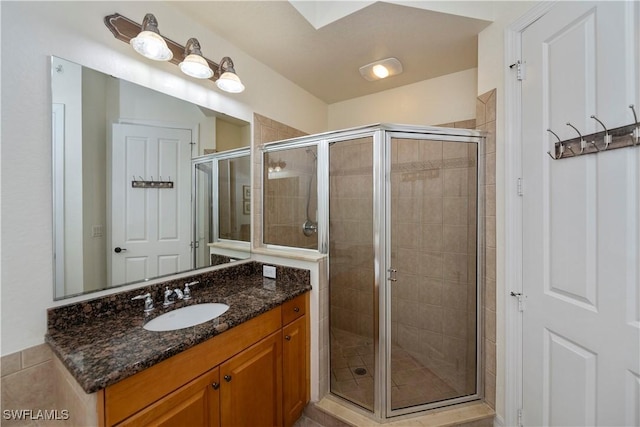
[187, 291]
[171, 295]
[148, 302]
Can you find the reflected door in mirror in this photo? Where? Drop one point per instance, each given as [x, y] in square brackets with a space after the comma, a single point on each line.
[151, 233]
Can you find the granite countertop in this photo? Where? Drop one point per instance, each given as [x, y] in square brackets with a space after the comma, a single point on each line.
[102, 341]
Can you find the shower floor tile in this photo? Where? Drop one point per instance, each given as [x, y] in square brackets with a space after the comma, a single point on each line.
[352, 367]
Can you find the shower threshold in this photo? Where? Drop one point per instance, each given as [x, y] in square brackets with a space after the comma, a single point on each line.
[332, 411]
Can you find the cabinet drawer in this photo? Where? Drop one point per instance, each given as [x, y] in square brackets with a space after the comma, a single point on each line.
[293, 309]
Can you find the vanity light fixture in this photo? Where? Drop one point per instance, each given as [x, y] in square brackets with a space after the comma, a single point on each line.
[228, 80]
[381, 69]
[276, 166]
[149, 43]
[194, 64]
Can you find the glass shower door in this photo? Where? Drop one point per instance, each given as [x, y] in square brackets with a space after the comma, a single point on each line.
[431, 256]
[353, 333]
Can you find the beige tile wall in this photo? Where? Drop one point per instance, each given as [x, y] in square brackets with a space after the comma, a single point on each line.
[285, 204]
[35, 379]
[434, 251]
[28, 382]
[265, 130]
[486, 121]
[351, 230]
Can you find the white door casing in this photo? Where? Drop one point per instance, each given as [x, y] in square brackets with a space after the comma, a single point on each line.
[580, 233]
[152, 224]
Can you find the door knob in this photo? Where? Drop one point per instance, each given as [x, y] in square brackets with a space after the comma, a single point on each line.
[118, 249]
[215, 386]
[287, 337]
[227, 378]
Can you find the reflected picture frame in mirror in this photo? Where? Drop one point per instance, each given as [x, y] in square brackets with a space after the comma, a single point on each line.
[91, 110]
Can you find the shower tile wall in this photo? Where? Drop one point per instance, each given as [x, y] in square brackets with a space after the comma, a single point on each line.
[286, 195]
[351, 228]
[486, 121]
[264, 130]
[434, 251]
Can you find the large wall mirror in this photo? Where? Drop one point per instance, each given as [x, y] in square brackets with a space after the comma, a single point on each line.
[130, 200]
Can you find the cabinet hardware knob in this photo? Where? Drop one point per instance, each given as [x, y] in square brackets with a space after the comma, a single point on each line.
[215, 386]
[287, 337]
[296, 309]
[227, 378]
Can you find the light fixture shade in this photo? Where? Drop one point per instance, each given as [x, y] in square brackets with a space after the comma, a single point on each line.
[230, 82]
[149, 43]
[194, 64]
[381, 69]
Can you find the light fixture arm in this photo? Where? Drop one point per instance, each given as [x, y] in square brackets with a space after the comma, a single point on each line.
[192, 46]
[124, 29]
[226, 64]
[150, 23]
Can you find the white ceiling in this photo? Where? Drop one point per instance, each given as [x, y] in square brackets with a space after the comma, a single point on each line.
[323, 50]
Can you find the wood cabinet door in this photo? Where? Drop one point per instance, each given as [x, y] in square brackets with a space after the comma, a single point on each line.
[197, 403]
[251, 385]
[294, 367]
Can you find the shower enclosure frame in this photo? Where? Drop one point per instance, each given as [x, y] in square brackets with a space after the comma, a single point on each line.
[214, 225]
[381, 135]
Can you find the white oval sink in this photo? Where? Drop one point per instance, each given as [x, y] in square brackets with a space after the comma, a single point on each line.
[186, 316]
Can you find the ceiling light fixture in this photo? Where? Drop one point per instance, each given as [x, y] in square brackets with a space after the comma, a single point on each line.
[149, 43]
[194, 64]
[381, 69]
[228, 80]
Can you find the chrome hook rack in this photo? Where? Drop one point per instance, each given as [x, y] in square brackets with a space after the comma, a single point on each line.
[608, 139]
[142, 183]
[560, 147]
[636, 131]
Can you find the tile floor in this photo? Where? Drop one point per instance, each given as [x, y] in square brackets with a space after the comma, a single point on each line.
[352, 367]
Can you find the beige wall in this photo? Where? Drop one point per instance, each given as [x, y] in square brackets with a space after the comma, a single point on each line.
[75, 31]
[230, 136]
[440, 100]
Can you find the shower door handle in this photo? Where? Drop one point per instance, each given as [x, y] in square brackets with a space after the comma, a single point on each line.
[392, 274]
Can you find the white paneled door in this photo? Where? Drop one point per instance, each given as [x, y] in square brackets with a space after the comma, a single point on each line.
[151, 233]
[581, 274]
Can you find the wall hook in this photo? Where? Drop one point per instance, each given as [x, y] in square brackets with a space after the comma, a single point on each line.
[607, 137]
[561, 146]
[636, 132]
[583, 144]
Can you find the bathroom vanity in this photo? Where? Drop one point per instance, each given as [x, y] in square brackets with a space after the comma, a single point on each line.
[250, 366]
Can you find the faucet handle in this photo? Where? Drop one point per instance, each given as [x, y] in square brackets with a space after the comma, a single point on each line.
[187, 291]
[148, 302]
[168, 300]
